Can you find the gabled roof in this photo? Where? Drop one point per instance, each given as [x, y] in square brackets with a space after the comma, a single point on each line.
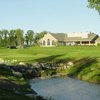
[92, 36]
[63, 37]
[59, 36]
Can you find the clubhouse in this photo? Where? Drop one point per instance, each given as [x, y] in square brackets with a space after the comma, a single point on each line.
[54, 39]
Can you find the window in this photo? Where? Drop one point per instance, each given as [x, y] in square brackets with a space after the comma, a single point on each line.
[43, 42]
[48, 42]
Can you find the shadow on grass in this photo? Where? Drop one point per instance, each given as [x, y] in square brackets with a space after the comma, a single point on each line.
[5, 71]
[52, 58]
[81, 64]
[11, 87]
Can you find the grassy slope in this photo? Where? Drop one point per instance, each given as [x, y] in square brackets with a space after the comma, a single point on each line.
[88, 71]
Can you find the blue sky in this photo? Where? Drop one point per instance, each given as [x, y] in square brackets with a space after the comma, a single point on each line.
[51, 15]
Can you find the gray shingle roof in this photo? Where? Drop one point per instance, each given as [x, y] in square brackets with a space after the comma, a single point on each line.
[63, 37]
[59, 36]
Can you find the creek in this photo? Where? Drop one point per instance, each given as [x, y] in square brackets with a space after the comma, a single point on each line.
[65, 88]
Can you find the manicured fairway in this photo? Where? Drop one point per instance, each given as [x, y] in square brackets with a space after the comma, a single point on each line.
[35, 53]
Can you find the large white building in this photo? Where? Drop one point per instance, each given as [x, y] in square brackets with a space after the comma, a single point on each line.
[52, 39]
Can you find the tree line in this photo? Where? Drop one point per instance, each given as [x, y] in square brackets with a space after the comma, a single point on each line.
[19, 38]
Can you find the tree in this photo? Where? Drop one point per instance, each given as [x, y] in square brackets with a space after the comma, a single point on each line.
[19, 37]
[5, 37]
[39, 36]
[30, 37]
[12, 40]
[26, 39]
[94, 4]
[1, 38]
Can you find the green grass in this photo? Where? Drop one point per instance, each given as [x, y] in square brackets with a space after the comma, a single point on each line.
[87, 69]
[86, 66]
[38, 53]
[86, 58]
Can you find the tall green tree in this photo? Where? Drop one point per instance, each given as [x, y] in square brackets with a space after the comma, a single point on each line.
[38, 36]
[30, 37]
[94, 4]
[1, 38]
[19, 37]
[26, 38]
[5, 37]
[12, 39]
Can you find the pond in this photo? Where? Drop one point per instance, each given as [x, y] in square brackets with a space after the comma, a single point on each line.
[65, 88]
